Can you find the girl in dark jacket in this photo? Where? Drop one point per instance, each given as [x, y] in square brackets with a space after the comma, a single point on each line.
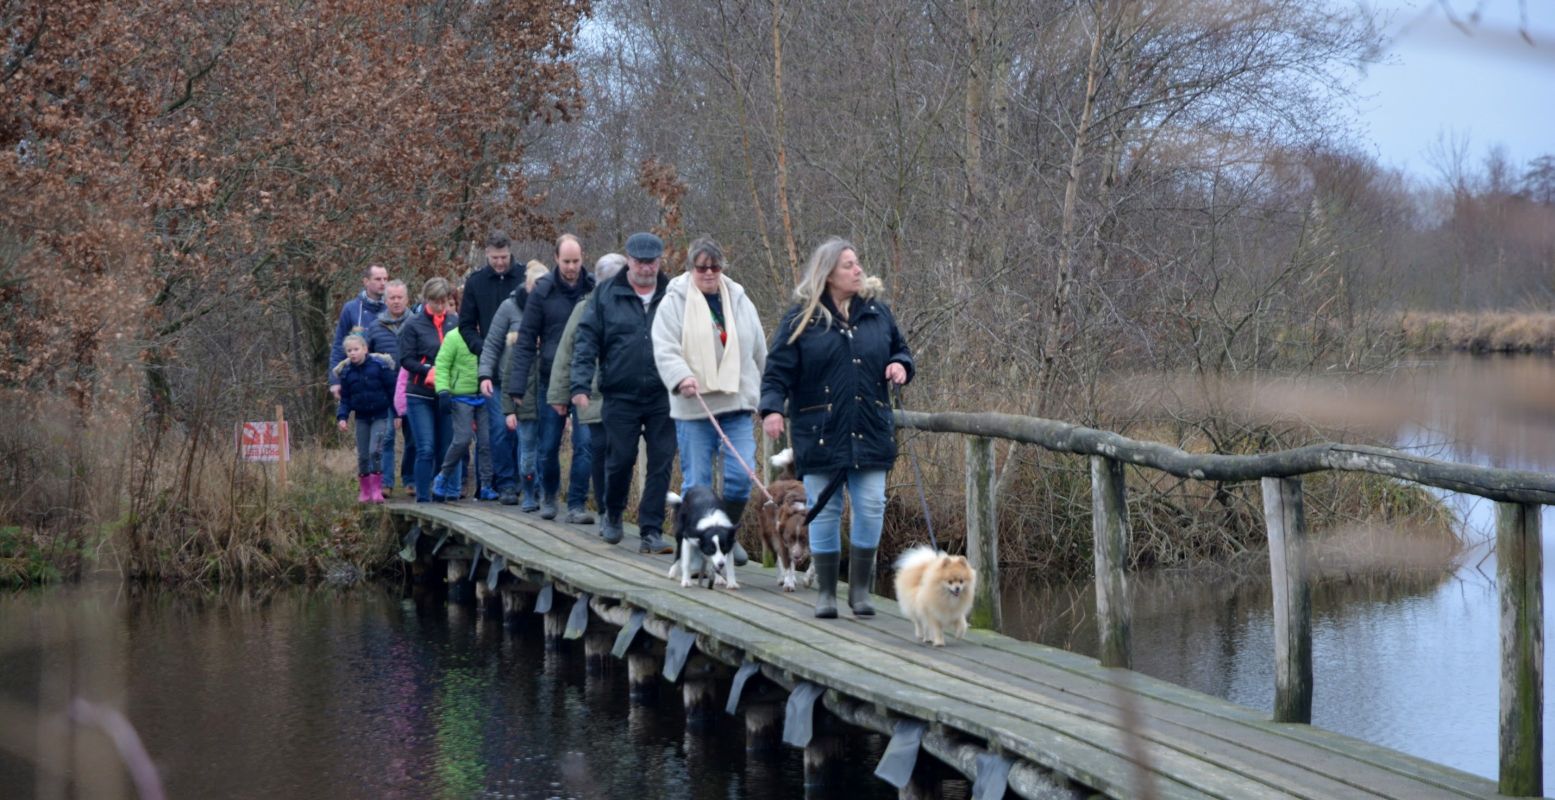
[419, 341]
[829, 369]
[367, 390]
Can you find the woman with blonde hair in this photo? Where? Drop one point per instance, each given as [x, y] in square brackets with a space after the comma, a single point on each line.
[833, 359]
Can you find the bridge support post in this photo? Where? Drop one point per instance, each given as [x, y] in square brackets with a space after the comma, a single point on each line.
[596, 651]
[1519, 571]
[763, 724]
[1110, 538]
[1285, 519]
[555, 626]
[820, 760]
[642, 675]
[982, 531]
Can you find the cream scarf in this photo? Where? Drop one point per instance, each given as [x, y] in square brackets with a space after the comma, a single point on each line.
[700, 340]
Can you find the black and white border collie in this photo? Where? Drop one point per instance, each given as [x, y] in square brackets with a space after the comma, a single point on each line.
[704, 538]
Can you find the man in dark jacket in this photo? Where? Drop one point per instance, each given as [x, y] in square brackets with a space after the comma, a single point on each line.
[545, 317]
[356, 317]
[615, 336]
[383, 337]
[484, 292]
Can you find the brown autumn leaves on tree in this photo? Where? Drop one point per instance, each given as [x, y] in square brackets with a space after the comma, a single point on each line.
[167, 162]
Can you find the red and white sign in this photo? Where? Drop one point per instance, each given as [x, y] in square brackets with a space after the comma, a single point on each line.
[264, 441]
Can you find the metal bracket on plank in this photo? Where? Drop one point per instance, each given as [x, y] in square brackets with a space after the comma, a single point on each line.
[475, 560]
[441, 540]
[546, 597]
[676, 650]
[799, 715]
[993, 777]
[578, 620]
[629, 631]
[408, 552]
[744, 674]
[494, 572]
[901, 754]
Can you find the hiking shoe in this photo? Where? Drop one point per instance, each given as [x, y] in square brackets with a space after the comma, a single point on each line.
[654, 544]
[579, 516]
[508, 498]
[548, 508]
[487, 494]
[439, 495]
[610, 530]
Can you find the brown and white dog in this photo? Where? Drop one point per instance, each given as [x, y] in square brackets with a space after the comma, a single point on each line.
[783, 529]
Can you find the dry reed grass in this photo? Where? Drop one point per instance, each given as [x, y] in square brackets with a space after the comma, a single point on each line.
[1481, 332]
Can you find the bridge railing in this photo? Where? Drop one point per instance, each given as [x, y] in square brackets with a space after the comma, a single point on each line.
[1518, 495]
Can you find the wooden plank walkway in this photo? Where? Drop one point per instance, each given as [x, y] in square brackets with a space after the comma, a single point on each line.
[1054, 709]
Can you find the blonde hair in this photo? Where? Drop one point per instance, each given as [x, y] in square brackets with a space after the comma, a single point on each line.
[436, 290]
[357, 337]
[812, 286]
[533, 272]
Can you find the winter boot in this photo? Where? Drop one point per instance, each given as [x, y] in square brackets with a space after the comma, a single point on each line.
[375, 487]
[548, 507]
[363, 495]
[861, 580]
[736, 511]
[610, 528]
[826, 566]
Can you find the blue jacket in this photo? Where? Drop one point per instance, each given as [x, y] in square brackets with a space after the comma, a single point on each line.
[366, 388]
[384, 334]
[356, 317]
[831, 386]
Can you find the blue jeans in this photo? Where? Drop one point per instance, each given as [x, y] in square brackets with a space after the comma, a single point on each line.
[503, 443]
[432, 432]
[683, 446]
[551, 426]
[700, 445]
[388, 454]
[369, 453]
[867, 490]
[528, 478]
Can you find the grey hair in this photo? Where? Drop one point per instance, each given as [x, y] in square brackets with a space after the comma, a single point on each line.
[812, 285]
[704, 246]
[608, 266]
[396, 284]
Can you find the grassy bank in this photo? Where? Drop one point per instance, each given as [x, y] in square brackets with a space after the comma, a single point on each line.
[1480, 332]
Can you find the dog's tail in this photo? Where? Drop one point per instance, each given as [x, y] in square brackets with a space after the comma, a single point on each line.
[784, 461]
[922, 554]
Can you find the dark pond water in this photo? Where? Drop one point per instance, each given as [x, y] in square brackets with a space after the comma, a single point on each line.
[360, 694]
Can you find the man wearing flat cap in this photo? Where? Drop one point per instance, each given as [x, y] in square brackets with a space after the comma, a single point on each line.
[614, 338]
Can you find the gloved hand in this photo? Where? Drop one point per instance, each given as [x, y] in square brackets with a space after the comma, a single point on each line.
[445, 402]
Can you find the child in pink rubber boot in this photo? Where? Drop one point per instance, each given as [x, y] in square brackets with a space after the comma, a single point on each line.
[366, 389]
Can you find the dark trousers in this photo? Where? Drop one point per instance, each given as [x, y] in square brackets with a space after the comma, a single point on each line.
[625, 419]
[597, 463]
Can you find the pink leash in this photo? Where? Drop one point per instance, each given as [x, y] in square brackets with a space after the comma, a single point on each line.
[737, 457]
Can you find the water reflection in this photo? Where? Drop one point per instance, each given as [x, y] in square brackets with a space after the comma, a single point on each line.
[363, 693]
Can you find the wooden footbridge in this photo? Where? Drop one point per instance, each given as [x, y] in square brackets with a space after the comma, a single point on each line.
[1007, 714]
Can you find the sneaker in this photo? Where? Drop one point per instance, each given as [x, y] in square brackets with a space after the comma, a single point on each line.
[410, 489]
[439, 495]
[548, 508]
[654, 544]
[508, 498]
[579, 516]
[487, 494]
[610, 529]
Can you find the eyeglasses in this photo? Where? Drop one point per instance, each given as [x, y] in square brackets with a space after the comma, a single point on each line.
[708, 267]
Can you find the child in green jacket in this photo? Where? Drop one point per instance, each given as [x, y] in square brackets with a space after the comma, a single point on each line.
[457, 379]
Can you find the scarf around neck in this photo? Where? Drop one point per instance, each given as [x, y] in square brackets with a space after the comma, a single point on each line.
[699, 339]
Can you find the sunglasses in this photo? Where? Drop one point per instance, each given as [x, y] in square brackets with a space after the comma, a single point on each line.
[708, 267]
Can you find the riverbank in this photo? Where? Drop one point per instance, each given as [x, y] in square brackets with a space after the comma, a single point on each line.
[1479, 332]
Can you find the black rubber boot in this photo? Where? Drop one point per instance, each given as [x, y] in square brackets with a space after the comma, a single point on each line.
[826, 566]
[736, 511]
[861, 580]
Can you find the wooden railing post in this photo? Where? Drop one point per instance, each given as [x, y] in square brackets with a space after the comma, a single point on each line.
[1519, 571]
[982, 531]
[1110, 535]
[1286, 522]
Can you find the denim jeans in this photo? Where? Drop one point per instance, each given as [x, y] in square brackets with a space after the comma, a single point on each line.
[432, 431]
[700, 446]
[866, 488]
[387, 453]
[551, 426]
[682, 447]
[369, 445]
[503, 443]
[528, 476]
[407, 458]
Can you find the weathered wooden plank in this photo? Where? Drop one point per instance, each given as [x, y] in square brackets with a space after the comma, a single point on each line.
[1520, 573]
[982, 531]
[1508, 485]
[1287, 525]
[1110, 537]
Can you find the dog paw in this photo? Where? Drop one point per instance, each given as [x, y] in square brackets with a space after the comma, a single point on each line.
[685, 583]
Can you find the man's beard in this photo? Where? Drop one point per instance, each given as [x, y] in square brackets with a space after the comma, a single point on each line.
[643, 281]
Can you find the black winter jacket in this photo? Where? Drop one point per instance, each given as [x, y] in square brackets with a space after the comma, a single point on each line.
[366, 388]
[831, 385]
[545, 317]
[419, 343]
[616, 334]
[484, 291]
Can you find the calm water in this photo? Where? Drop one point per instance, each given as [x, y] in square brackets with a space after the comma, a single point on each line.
[363, 694]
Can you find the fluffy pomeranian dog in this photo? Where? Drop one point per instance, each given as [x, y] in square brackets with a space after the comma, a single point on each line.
[934, 590]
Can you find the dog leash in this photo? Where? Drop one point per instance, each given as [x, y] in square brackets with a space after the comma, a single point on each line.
[713, 418]
[917, 474]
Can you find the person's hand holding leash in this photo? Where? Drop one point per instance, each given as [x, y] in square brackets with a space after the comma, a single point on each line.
[896, 373]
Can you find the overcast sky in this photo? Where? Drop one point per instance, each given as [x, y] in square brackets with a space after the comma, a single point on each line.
[1488, 83]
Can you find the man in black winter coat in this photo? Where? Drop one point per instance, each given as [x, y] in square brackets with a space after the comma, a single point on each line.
[484, 292]
[615, 337]
[546, 313]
